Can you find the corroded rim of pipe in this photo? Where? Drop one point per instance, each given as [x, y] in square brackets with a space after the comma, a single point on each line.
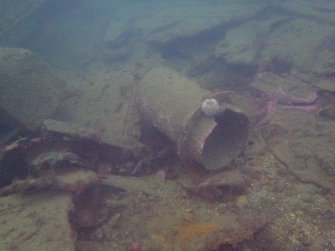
[187, 129]
[190, 148]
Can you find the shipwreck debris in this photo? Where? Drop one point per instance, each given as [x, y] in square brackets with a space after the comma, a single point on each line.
[174, 107]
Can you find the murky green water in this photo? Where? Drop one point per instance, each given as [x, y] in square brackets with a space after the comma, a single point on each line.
[104, 142]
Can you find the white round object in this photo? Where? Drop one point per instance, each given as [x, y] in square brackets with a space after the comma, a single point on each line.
[210, 107]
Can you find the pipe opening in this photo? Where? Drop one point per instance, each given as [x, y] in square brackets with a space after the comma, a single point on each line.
[226, 139]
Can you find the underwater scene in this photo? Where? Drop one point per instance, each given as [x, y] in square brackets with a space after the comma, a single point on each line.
[180, 125]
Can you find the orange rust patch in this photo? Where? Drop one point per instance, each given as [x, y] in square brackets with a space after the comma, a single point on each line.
[194, 231]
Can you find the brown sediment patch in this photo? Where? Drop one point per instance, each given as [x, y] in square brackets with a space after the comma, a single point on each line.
[194, 231]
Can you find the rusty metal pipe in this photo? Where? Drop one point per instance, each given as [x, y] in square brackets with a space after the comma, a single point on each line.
[172, 103]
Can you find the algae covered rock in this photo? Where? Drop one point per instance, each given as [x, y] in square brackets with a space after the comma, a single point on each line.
[243, 43]
[282, 40]
[178, 20]
[105, 105]
[30, 90]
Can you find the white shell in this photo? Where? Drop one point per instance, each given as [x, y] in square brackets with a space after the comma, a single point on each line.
[210, 107]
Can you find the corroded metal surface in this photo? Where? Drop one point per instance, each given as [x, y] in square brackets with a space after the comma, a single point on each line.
[171, 102]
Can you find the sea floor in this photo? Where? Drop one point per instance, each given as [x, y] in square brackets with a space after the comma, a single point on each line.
[118, 184]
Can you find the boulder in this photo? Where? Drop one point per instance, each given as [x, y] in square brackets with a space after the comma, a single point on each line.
[30, 90]
[282, 40]
[105, 105]
[177, 20]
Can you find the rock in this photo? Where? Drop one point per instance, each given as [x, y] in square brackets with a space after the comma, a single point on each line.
[328, 112]
[83, 141]
[294, 84]
[231, 178]
[218, 186]
[70, 130]
[178, 20]
[70, 181]
[326, 100]
[265, 42]
[306, 37]
[113, 221]
[103, 108]
[97, 235]
[61, 147]
[114, 30]
[30, 90]
[49, 161]
[324, 83]
[160, 176]
[240, 45]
